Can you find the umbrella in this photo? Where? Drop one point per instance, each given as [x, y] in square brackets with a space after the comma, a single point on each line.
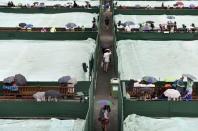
[64, 79]
[179, 3]
[128, 23]
[35, 3]
[104, 102]
[57, 5]
[72, 81]
[170, 17]
[172, 93]
[9, 80]
[71, 25]
[137, 5]
[192, 6]
[189, 76]
[149, 21]
[22, 25]
[169, 79]
[29, 26]
[20, 80]
[149, 79]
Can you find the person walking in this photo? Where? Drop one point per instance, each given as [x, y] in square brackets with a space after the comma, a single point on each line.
[107, 22]
[104, 116]
[106, 59]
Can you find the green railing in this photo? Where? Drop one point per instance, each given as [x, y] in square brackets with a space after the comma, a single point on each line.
[144, 0]
[8, 35]
[156, 36]
[47, 10]
[136, 11]
[28, 109]
[89, 126]
[160, 108]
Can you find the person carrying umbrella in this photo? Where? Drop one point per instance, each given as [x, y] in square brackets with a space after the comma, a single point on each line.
[104, 116]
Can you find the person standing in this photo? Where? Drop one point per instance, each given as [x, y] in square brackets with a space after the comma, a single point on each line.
[107, 22]
[106, 59]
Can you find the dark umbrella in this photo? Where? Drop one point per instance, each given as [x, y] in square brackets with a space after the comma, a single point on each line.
[22, 25]
[170, 17]
[64, 79]
[71, 25]
[52, 93]
[42, 4]
[128, 23]
[9, 80]
[20, 80]
[29, 26]
[149, 79]
[137, 5]
[149, 21]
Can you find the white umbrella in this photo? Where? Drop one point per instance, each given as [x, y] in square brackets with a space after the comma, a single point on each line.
[172, 93]
[189, 76]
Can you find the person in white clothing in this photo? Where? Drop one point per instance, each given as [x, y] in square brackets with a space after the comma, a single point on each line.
[106, 59]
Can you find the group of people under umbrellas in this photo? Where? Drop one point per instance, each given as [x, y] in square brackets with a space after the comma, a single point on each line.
[176, 90]
[170, 25]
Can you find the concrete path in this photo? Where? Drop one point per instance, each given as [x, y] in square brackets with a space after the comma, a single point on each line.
[103, 79]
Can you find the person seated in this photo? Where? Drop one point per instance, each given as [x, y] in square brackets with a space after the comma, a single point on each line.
[94, 19]
[140, 27]
[192, 27]
[94, 26]
[152, 26]
[161, 28]
[127, 28]
[189, 90]
[10, 86]
[179, 85]
[75, 5]
[43, 30]
[146, 27]
[83, 28]
[175, 27]
[41, 5]
[88, 5]
[53, 29]
[10, 4]
[184, 28]
[162, 5]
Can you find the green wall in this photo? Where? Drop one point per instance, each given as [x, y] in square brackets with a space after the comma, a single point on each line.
[156, 36]
[161, 108]
[156, 11]
[48, 10]
[43, 109]
[48, 35]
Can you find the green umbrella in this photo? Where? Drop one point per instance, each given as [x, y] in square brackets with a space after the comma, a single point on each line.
[169, 79]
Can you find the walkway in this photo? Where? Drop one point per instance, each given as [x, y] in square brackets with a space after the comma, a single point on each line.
[103, 79]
